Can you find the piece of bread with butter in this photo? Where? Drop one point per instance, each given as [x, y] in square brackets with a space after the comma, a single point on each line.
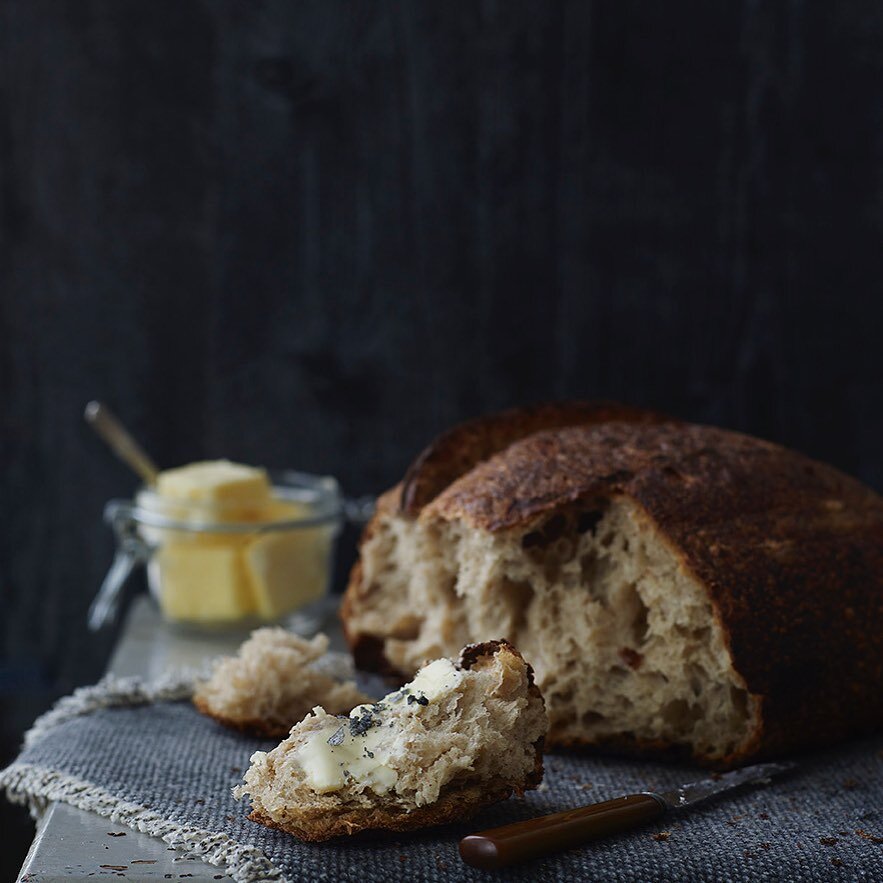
[459, 736]
[677, 588]
[275, 678]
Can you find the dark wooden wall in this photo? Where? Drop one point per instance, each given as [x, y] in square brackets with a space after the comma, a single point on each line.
[312, 234]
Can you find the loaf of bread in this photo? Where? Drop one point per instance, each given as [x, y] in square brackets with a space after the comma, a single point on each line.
[272, 682]
[676, 588]
[459, 736]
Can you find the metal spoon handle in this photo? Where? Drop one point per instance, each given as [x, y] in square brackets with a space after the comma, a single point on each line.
[534, 838]
[105, 424]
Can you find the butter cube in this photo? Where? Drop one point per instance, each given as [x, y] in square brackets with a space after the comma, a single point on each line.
[216, 490]
[285, 510]
[288, 569]
[202, 583]
[203, 575]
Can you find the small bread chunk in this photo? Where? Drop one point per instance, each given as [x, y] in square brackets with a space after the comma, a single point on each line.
[272, 683]
[458, 737]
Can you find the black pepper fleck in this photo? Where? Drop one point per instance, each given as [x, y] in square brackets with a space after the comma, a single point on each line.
[360, 725]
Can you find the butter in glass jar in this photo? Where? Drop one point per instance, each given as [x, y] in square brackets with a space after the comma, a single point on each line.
[227, 544]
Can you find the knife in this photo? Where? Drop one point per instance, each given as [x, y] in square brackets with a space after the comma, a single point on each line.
[522, 841]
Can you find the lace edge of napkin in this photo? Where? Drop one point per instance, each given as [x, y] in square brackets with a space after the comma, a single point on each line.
[111, 691]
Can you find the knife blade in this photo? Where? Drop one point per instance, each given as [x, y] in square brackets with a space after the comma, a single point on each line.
[695, 792]
[534, 838]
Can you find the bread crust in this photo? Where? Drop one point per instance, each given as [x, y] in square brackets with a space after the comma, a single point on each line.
[262, 729]
[790, 551]
[455, 805]
[456, 451]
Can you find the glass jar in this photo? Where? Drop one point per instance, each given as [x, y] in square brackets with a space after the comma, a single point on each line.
[237, 566]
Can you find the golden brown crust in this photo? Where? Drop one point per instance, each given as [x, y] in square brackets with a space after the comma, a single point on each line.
[262, 729]
[459, 449]
[455, 805]
[790, 550]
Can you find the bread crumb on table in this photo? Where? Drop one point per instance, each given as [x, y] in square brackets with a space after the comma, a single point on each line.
[874, 838]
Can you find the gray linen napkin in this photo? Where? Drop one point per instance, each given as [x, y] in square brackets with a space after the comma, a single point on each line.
[139, 754]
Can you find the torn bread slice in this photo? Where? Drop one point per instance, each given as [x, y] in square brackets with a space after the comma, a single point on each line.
[458, 737]
[272, 682]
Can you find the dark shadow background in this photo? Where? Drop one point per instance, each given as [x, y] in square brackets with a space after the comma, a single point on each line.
[313, 234]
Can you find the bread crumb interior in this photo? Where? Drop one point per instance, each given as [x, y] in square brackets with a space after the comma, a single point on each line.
[623, 640]
[275, 678]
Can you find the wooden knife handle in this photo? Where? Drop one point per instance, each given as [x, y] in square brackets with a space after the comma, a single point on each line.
[534, 838]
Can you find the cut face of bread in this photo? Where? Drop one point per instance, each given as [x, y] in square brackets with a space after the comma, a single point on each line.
[623, 640]
[459, 736]
[272, 682]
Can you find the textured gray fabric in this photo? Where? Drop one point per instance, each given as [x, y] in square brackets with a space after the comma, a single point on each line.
[180, 766]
